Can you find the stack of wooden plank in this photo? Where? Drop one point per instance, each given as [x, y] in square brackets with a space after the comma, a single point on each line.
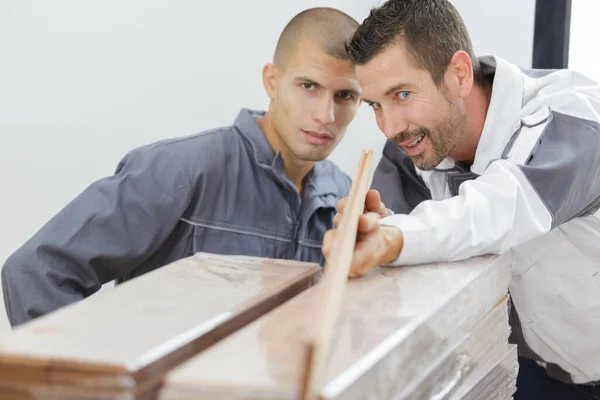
[227, 327]
[428, 332]
[119, 343]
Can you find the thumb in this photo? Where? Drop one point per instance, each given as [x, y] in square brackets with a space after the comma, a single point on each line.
[341, 203]
[373, 202]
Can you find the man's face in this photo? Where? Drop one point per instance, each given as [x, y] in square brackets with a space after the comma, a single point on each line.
[425, 120]
[313, 101]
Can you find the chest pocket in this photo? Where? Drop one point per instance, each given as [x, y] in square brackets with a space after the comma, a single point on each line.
[229, 239]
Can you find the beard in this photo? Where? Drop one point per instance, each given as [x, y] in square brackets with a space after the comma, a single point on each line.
[443, 137]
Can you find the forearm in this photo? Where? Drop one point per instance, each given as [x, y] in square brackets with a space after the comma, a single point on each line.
[107, 231]
[490, 215]
[32, 292]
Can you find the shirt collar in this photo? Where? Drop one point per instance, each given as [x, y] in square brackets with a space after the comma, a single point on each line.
[503, 111]
[318, 182]
[247, 124]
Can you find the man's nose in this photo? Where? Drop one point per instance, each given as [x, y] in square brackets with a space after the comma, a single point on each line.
[393, 124]
[325, 112]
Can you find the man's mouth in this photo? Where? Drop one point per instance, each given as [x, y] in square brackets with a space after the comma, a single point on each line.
[413, 146]
[318, 134]
[412, 142]
[316, 137]
[415, 142]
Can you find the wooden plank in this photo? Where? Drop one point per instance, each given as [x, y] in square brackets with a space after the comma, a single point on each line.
[487, 340]
[126, 338]
[394, 324]
[331, 288]
[495, 380]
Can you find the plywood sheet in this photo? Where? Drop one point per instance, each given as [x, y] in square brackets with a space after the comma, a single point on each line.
[486, 343]
[394, 325]
[495, 380]
[126, 338]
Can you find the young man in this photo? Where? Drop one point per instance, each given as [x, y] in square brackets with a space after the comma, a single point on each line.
[261, 187]
[483, 158]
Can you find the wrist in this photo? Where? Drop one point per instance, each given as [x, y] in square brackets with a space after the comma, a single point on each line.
[394, 241]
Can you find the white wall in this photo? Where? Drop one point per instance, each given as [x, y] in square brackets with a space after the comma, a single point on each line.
[81, 83]
[503, 28]
[585, 31]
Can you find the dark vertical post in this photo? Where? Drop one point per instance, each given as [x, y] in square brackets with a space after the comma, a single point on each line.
[551, 34]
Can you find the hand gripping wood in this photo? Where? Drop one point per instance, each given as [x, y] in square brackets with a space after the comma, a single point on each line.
[335, 276]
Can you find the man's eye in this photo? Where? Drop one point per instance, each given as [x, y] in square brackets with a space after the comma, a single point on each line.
[345, 95]
[375, 106]
[403, 94]
[308, 85]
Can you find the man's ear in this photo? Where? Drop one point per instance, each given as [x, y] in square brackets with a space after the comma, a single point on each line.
[461, 72]
[270, 79]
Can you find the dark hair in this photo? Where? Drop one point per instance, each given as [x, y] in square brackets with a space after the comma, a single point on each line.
[328, 27]
[431, 30]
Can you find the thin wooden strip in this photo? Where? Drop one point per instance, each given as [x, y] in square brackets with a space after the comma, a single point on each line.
[335, 275]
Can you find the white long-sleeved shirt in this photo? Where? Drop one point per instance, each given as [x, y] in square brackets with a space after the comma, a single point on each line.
[534, 190]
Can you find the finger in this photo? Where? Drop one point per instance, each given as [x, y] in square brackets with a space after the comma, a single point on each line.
[383, 211]
[353, 275]
[364, 269]
[368, 222]
[373, 201]
[363, 259]
[327, 240]
[337, 219]
[360, 270]
[357, 272]
[341, 204]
